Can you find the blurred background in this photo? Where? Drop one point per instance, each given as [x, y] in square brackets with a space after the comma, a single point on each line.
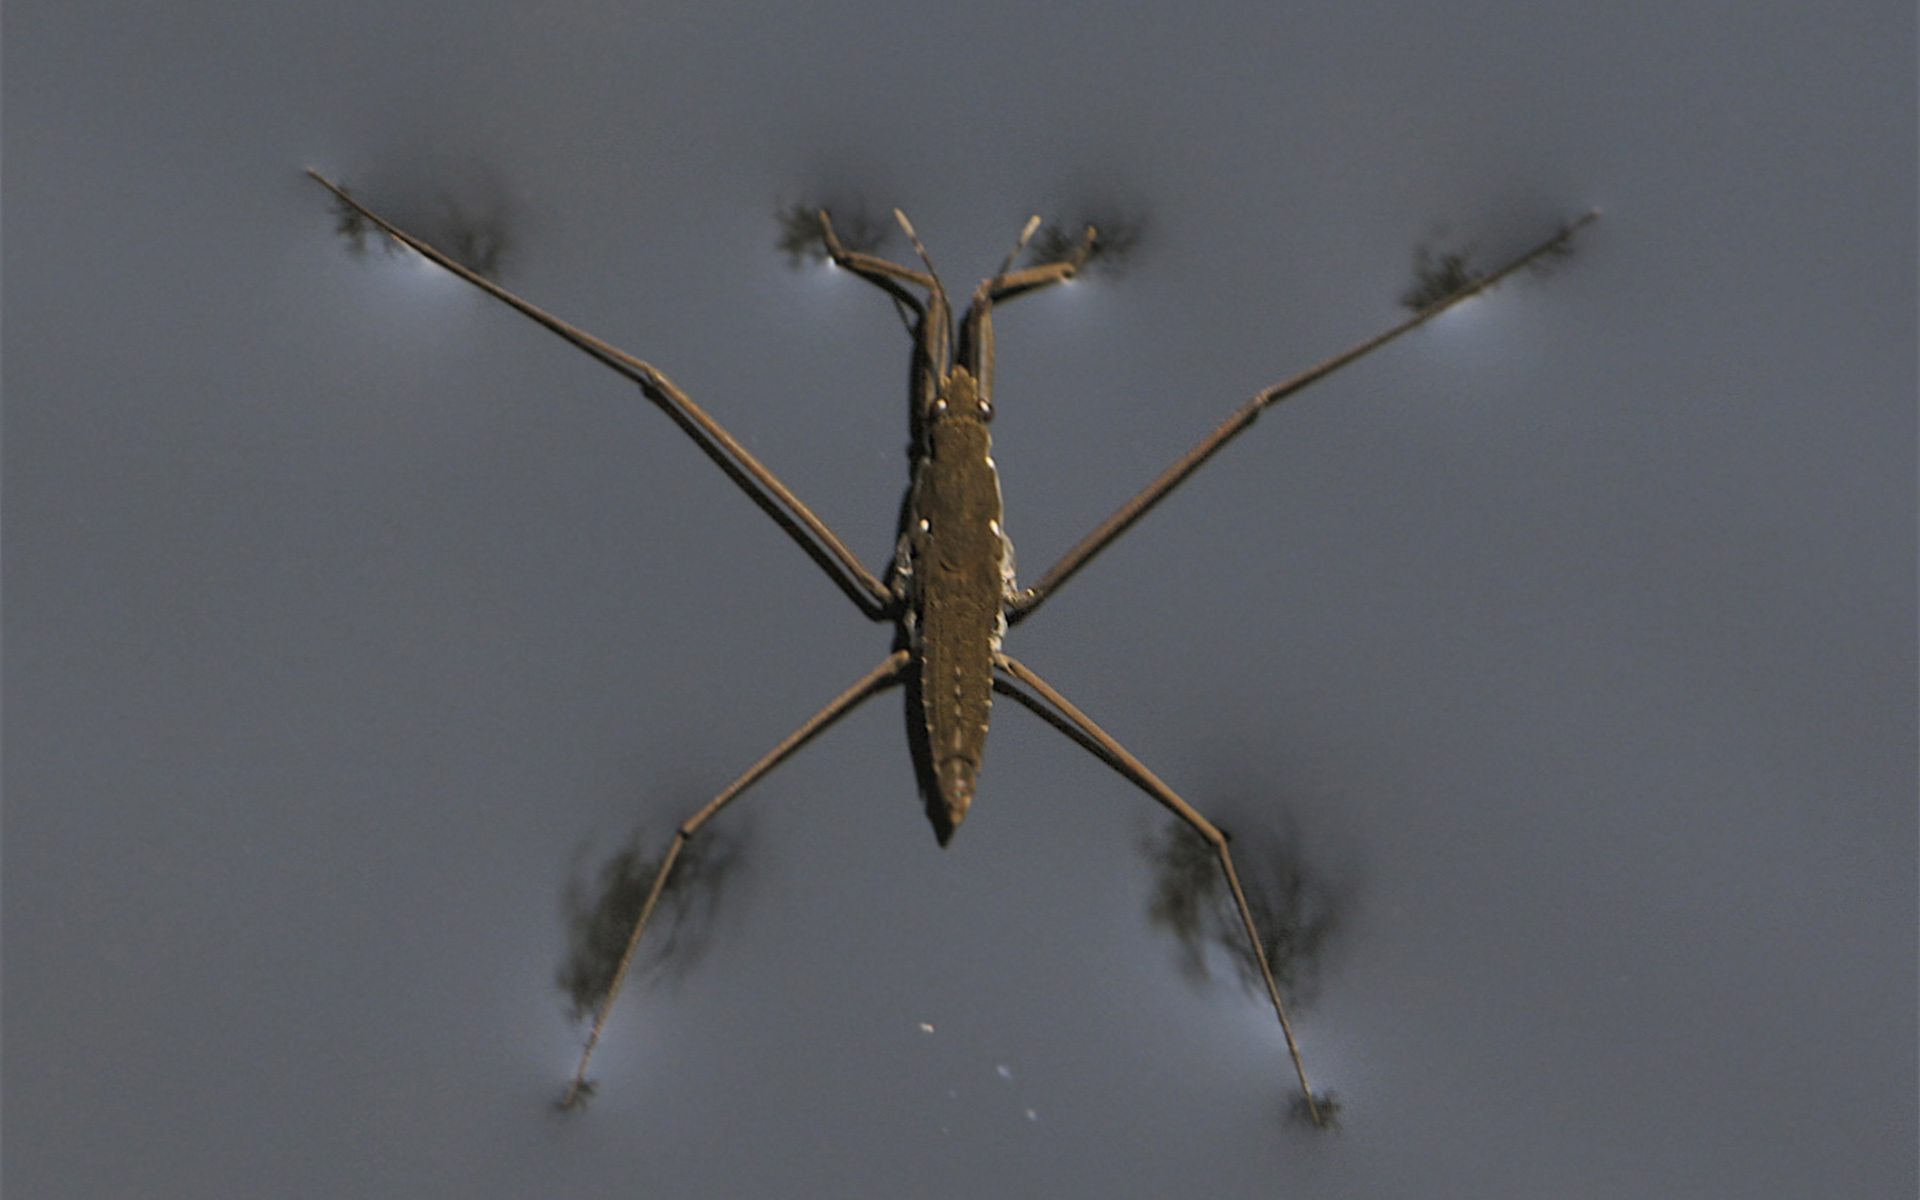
[352, 620]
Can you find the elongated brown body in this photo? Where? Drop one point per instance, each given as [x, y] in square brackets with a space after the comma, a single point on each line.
[956, 565]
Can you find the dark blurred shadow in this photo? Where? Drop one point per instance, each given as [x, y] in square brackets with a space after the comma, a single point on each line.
[470, 221]
[1296, 910]
[1301, 1113]
[1437, 274]
[1444, 266]
[1116, 236]
[601, 915]
[853, 223]
[476, 238]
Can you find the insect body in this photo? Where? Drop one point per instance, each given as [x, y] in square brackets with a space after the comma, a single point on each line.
[950, 591]
[956, 569]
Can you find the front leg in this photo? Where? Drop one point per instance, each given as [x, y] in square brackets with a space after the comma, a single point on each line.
[881, 273]
[976, 334]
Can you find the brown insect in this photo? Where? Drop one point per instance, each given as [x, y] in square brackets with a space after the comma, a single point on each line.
[950, 591]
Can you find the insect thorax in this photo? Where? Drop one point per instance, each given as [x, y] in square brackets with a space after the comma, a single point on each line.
[954, 558]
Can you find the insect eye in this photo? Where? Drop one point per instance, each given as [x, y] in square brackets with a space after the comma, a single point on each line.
[940, 407]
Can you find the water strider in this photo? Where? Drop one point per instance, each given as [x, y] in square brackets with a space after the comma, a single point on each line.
[950, 591]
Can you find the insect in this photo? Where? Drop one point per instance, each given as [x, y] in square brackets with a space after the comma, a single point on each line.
[950, 591]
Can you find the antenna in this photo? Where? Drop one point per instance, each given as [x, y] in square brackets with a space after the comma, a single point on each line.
[1026, 235]
[921, 250]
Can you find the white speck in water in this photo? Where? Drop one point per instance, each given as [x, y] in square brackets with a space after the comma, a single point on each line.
[925, 1028]
[1032, 1115]
[1004, 1071]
